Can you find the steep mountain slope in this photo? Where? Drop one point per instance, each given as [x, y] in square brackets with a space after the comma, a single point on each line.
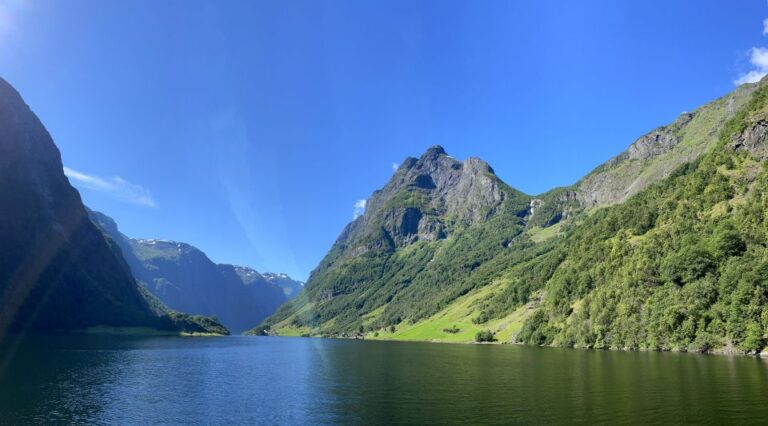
[499, 271]
[420, 244]
[651, 158]
[57, 272]
[183, 278]
[682, 265]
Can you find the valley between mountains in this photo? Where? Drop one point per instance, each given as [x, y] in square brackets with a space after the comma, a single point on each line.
[64, 267]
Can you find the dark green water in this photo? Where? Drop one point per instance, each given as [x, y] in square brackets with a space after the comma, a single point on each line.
[263, 380]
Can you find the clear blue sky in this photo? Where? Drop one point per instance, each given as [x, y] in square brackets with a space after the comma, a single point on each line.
[251, 128]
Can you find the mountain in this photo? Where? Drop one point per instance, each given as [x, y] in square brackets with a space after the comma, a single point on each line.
[291, 288]
[57, 272]
[681, 265]
[662, 247]
[422, 241]
[657, 154]
[185, 279]
[648, 160]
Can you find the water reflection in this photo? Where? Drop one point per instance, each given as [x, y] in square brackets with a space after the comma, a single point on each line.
[237, 380]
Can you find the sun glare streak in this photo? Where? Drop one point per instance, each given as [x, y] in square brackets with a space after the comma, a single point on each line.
[236, 173]
[9, 9]
[11, 14]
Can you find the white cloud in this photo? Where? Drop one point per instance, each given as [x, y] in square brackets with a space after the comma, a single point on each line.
[395, 166]
[359, 209]
[758, 57]
[751, 77]
[115, 187]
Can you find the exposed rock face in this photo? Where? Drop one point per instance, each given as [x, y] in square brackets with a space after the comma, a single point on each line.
[437, 217]
[655, 155]
[649, 159]
[753, 138]
[185, 279]
[56, 269]
[427, 199]
[622, 177]
[655, 143]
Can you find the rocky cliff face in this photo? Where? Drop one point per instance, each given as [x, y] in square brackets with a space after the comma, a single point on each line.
[648, 160]
[57, 272]
[429, 199]
[752, 138]
[419, 242]
[185, 279]
[655, 155]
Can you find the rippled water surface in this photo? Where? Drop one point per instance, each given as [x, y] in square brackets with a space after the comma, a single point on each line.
[270, 380]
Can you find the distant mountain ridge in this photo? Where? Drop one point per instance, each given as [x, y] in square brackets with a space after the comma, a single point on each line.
[57, 272]
[185, 279]
[291, 288]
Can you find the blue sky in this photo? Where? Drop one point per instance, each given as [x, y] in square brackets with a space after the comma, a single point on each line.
[252, 128]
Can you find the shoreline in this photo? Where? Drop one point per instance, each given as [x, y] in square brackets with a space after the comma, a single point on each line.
[138, 331]
[718, 352]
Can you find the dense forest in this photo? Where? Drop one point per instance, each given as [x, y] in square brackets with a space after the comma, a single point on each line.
[682, 265]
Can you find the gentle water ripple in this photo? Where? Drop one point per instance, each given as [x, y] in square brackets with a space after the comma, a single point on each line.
[246, 380]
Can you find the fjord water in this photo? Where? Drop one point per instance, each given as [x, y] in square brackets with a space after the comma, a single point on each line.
[272, 380]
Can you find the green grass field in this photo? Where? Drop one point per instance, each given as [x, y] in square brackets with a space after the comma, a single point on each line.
[458, 315]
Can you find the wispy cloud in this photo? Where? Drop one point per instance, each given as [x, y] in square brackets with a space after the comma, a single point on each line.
[395, 166]
[758, 57]
[115, 187]
[359, 209]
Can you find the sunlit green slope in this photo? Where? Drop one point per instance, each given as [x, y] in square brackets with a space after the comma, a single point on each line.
[651, 250]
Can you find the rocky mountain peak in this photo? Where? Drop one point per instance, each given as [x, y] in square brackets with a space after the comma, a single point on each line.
[248, 275]
[428, 199]
[433, 152]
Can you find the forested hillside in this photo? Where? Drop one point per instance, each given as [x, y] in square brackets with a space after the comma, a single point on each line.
[662, 247]
[682, 265]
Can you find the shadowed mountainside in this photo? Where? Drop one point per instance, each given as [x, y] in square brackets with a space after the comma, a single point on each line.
[57, 272]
